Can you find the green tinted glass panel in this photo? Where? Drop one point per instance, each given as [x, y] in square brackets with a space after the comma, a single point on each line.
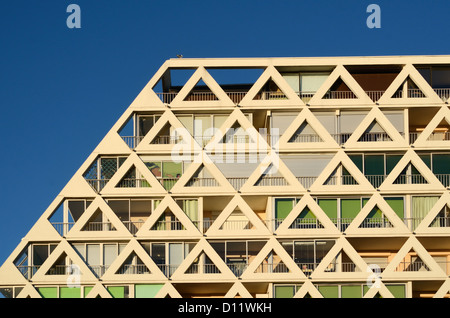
[350, 208]
[117, 291]
[375, 213]
[172, 169]
[155, 168]
[306, 214]
[48, 292]
[329, 291]
[358, 161]
[398, 291]
[397, 205]
[426, 159]
[147, 291]
[391, 162]
[283, 207]
[284, 291]
[441, 164]
[352, 291]
[67, 292]
[87, 290]
[329, 206]
[374, 165]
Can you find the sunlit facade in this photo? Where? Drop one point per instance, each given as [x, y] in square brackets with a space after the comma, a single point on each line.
[258, 178]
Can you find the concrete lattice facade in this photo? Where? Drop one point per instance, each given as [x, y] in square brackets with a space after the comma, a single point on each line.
[323, 177]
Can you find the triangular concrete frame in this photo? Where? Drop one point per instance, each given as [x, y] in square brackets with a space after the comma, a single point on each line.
[412, 243]
[422, 139]
[411, 157]
[202, 160]
[167, 202]
[238, 201]
[133, 160]
[380, 288]
[410, 71]
[340, 72]
[341, 245]
[168, 289]
[443, 290]
[9, 273]
[133, 246]
[341, 158]
[398, 226]
[86, 274]
[29, 291]
[271, 72]
[99, 204]
[203, 247]
[256, 143]
[307, 116]
[425, 226]
[272, 159]
[308, 288]
[307, 201]
[98, 290]
[202, 74]
[43, 229]
[147, 98]
[238, 289]
[188, 143]
[273, 245]
[376, 114]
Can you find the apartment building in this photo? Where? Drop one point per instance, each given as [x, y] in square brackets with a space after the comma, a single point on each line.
[258, 178]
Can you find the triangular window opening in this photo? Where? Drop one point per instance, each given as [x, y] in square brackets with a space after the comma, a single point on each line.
[271, 177]
[61, 266]
[339, 90]
[98, 222]
[411, 263]
[270, 91]
[408, 89]
[441, 132]
[133, 179]
[342, 263]
[201, 92]
[305, 133]
[272, 263]
[376, 219]
[202, 265]
[410, 175]
[306, 220]
[168, 222]
[236, 221]
[341, 176]
[237, 135]
[442, 219]
[133, 265]
[166, 136]
[375, 133]
[202, 178]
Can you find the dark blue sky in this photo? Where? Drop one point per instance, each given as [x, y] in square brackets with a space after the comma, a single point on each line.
[62, 89]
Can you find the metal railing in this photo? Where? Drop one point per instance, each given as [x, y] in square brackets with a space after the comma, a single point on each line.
[411, 266]
[97, 184]
[374, 137]
[410, 179]
[266, 181]
[443, 93]
[339, 95]
[133, 183]
[168, 225]
[132, 141]
[131, 269]
[166, 140]
[98, 226]
[202, 269]
[306, 138]
[202, 182]
[62, 227]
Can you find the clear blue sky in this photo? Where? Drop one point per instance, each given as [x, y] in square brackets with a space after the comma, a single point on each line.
[62, 89]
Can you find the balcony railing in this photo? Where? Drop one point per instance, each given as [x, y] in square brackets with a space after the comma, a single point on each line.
[202, 269]
[202, 182]
[132, 141]
[236, 97]
[131, 269]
